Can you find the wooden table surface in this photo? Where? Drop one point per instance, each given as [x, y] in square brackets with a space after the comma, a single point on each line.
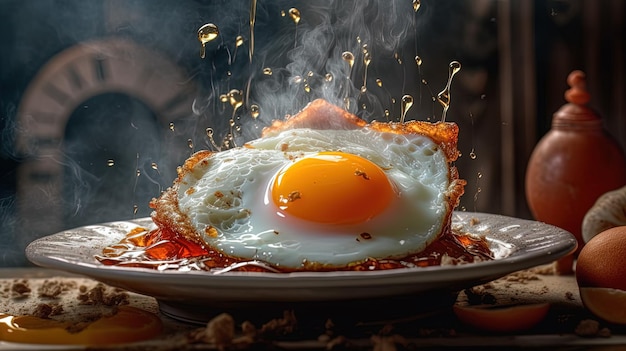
[568, 326]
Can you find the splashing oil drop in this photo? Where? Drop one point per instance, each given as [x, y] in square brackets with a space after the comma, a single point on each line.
[255, 111]
[239, 41]
[172, 127]
[379, 82]
[444, 96]
[348, 57]
[206, 33]
[209, 134]
[398, 58]
[235, 97]
[110, 163]
[367, 59]
[294, 13]
[252, 23]
[267, 71]
[418, 61]
[416, 5]
[407, 102]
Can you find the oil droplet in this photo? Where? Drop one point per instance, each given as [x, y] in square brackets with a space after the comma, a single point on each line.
[358, 39]
[135, 209]
[346, 102]
[398, 58]
[387, 113]
[363, 89]
[224, 98]
[444, 96]
[310, 74]
[235, 97]
[307, 87]
[367, 58]
[348, 57]
[190, 143]
[328, 77]
[254, 111]
[239, 41]
[172, 126]
[472, 155]
[110, 163]
[283, 13]
[267, 71]
[418, 61]
[407, 102]
[479, 175]
[483, 97]
[209, 134]
[206, 33]
[294, 13]
[379, 82]
[138, 172]
[478, 191]
[252, 23]
[297, 79]
[416, 5]
[154, 166]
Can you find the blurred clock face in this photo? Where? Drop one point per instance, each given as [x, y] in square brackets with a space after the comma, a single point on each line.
[95, 129]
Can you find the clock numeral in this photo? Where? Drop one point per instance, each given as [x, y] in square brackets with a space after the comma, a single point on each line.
[56, 94]
[100, 69]
[75, 79]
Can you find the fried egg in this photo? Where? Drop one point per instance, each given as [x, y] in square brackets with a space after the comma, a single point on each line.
[305, 198]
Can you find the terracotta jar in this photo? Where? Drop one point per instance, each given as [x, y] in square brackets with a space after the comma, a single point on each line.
[573, 164]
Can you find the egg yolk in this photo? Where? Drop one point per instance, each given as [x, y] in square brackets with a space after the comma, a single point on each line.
[129, 324]
[332, 188]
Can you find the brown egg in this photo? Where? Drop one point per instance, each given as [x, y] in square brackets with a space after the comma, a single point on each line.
[602, 260]
[601, 275]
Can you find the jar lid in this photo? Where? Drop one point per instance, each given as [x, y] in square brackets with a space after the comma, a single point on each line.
[577, 97]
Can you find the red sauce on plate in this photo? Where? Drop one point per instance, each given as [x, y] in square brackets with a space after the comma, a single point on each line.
[164, 249]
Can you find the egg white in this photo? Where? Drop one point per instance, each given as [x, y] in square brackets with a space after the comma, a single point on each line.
[230, 193]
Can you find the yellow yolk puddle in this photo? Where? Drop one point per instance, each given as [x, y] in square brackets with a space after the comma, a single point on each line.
[129, 324]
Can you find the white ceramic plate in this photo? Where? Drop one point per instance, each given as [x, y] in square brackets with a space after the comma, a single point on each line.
[517, 244]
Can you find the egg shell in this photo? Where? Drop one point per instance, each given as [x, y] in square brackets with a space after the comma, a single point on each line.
[602, 261]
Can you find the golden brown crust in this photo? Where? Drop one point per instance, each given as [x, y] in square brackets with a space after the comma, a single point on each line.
[318, 114]
[167, 213]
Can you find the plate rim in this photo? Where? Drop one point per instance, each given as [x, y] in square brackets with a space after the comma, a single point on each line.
[435, 274]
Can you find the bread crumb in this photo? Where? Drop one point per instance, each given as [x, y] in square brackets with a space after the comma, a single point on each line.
[20, 289]
[100, 295]
[522, 277]
[280, 326]
[591, 328]
[220, 331]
